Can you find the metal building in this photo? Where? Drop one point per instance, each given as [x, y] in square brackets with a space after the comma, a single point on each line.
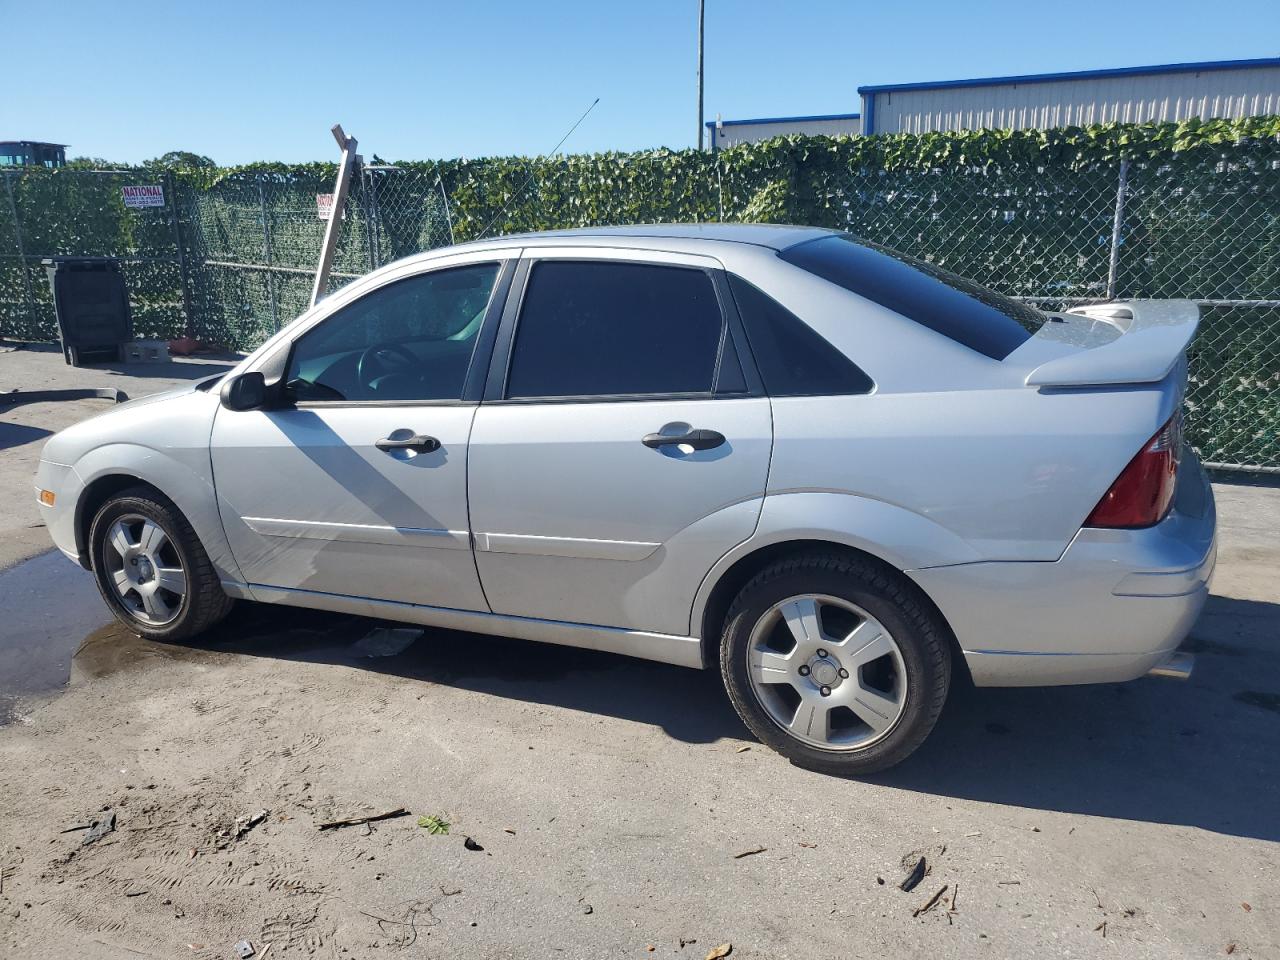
[728, 133]
[30, 153]
[1165, 92]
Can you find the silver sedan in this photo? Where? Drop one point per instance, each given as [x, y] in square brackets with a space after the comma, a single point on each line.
[838, 474]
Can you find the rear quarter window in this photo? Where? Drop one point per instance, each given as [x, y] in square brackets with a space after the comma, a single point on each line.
[963, 311]
[793, 359]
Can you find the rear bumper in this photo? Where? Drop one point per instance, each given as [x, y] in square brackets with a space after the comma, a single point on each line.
[1116, 603]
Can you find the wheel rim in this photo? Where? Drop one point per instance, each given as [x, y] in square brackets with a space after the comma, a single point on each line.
[145, 569]
[827, 672]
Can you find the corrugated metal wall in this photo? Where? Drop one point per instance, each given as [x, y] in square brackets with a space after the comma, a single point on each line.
[1062, 103]
[751, 131]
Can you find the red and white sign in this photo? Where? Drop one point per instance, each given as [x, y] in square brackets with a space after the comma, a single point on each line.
[324, 204]
[146, 195]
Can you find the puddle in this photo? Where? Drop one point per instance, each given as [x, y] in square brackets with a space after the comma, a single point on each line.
[113, 648]
[57, 629]
[49, 605]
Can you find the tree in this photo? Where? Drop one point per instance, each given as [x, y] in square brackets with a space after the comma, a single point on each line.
[180, 160]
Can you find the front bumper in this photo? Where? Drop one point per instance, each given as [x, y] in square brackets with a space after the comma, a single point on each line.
[60, 519]
[1116, 603]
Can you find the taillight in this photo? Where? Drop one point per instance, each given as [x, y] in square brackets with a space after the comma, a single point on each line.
[1141, 495]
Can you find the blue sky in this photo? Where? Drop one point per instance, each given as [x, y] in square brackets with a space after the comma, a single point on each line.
[242, 81]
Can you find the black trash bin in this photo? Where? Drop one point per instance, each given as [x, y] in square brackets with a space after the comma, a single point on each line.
[92, 305]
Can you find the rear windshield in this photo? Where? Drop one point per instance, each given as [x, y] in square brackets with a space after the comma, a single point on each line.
[964, 311]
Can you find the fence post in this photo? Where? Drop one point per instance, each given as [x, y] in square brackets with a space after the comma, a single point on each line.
[183, 277]
[22, 256]
[370, 214]
[448, 214]
[719, 182]
[1113, 267]
[267, 255]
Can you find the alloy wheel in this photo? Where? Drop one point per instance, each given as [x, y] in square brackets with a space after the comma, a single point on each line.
[827, 672]
[145, 569]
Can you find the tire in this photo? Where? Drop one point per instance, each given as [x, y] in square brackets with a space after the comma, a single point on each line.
[868, 673]
[136, 576]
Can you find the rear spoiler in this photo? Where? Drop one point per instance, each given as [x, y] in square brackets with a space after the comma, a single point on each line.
[1155, 333]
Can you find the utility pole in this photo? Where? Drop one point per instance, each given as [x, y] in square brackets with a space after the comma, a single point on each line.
[702, 16]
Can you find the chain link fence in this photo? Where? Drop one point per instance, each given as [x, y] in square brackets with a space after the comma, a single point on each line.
[233, 262]
[85, 215]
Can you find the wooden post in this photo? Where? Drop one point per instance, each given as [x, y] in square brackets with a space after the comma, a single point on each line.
[330, 245]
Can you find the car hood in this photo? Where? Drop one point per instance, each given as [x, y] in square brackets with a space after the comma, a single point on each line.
[126, 422]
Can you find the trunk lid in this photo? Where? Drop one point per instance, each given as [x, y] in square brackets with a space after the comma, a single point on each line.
[1109, 344]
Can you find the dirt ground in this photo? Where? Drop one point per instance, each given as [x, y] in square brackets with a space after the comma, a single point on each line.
[622, 808]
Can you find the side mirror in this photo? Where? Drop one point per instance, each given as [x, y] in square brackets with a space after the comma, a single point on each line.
[245, 392]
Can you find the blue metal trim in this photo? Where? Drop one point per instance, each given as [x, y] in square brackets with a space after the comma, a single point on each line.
[827, 116]
[1208, 65]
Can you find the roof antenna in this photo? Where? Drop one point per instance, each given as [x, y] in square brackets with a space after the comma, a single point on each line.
[520, 189]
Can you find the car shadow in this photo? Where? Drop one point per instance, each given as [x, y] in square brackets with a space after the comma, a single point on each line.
[1200, 753]
[18, 434]
[688, 705]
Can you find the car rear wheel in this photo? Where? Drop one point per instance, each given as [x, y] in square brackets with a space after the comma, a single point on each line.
[836, 662]
[151, 568]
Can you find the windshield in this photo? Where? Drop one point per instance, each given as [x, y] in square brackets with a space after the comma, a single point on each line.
[964, 311]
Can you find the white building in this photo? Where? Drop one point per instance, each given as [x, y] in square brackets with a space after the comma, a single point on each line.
[1166, 92]
[728, 133]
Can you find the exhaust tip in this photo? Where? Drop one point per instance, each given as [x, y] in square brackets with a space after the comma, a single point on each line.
[1178, 666]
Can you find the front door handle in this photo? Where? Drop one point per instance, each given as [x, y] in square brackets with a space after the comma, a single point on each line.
[698, 439]
[416, 442]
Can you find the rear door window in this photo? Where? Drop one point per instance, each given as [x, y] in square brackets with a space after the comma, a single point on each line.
[966, 312]
[607, 329]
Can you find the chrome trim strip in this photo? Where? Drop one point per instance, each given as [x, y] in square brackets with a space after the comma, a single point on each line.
[662, 647]
[359, 533]
[564, 546]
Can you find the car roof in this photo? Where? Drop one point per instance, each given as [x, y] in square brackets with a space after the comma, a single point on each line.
[770, 235]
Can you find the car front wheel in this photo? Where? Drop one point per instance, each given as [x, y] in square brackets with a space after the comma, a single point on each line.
[151, 568]
[836, 662]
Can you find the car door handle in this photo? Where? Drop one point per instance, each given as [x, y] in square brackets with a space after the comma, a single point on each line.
[416, 442]
[698, 439]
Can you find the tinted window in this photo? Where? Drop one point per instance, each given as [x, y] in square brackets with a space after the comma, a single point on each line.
[794, 360]
[409, 340]
[964, 311]
[606, 329]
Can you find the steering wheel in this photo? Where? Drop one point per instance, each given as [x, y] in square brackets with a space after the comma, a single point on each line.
[382, 359]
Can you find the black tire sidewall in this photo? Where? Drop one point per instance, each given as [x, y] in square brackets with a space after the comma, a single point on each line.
[163, 517]
[927, 674]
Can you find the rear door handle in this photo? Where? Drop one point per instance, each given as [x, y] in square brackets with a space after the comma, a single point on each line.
[698, 439]
[415, 442]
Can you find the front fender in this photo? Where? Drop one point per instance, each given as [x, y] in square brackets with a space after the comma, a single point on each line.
[182, 474]
[902, 538]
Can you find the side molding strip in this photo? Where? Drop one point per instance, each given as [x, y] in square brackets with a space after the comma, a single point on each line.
[564, 546]
[360, 533]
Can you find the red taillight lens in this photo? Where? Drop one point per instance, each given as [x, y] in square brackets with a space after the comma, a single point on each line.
[1141, 495]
